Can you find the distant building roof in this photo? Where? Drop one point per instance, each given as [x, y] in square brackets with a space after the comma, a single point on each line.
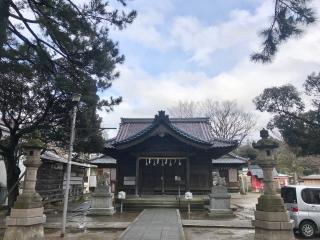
[257, 171]
[103, 159]
[311, 177]
[231, 158]
[282, 175]
[51, 156]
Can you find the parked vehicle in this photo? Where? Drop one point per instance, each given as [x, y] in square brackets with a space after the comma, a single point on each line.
[303, 204]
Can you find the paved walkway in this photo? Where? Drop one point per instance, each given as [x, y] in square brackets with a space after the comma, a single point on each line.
[155, 224]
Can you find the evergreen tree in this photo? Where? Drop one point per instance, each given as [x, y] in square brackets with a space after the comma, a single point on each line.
[299, 127]
[287, 21]
[48, 51]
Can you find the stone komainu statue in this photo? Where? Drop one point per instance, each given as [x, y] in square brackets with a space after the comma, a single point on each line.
[217, 180]
[103, 181]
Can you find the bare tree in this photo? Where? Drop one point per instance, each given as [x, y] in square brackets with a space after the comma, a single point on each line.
[185, 109]
[228, 120]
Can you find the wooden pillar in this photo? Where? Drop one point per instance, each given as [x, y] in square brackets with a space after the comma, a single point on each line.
[162, 180]
[137, 177]
[210, 168]
[187, 174]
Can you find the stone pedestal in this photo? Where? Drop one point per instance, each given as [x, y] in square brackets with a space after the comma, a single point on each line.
[101, 204]
[272, 220]
[26, 219]
[101, 199]
[220, 201]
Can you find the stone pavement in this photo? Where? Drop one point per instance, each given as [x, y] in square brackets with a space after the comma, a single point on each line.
[155, 224]
[232, 223]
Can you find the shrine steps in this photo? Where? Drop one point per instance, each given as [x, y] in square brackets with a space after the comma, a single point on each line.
[139, 203]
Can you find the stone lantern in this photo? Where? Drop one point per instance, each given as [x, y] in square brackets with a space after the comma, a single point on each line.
[271, 217]
[26, 219]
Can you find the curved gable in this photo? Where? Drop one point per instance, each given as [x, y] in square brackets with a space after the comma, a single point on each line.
[195, 132]
[161, 125]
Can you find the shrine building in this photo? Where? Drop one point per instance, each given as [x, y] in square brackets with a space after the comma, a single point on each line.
[161, 155]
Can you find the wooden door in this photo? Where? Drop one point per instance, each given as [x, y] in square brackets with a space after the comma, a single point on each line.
[151, 179]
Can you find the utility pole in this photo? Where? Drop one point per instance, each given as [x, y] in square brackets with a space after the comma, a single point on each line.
[75, 101]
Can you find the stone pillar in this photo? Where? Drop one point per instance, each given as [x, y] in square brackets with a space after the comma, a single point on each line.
[101, 199]
[272, 220]
[26, 219]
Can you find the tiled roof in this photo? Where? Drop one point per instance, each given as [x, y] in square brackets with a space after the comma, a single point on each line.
[257, 171]
[311, 177]
[195, 129]
[230, 158]
[103, 159]
[51, 156]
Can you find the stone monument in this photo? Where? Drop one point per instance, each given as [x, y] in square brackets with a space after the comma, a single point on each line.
[26, 219]
[101, 200]
[219, 198]
[272, 220]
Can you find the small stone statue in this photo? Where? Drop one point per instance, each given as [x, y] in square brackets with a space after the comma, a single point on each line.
[217, 180]
[108, 184]
[219, 198]
[102, 198]
[102, 180]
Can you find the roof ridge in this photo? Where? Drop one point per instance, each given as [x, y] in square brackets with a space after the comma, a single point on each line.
[170, 125]
[150, 120]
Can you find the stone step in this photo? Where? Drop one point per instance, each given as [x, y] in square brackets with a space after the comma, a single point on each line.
[138, 204]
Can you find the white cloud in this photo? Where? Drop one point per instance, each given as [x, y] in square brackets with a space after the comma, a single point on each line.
[145, 29]
[203, 41]
[144, 94]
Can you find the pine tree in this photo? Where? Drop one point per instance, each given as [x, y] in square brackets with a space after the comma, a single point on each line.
[48, 51]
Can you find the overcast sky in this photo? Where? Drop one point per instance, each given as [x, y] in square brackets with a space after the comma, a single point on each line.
[193, 50]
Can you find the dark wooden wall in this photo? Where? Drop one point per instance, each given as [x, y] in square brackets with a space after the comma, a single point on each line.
[150, 176]
[51, 181]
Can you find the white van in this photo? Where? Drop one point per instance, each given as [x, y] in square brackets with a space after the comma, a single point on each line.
[303, 204]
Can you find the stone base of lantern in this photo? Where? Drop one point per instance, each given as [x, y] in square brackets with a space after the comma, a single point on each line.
[273, 227]
[101, 204]
[274, 224]
[25, 224]
[271, 203]
[34, 232]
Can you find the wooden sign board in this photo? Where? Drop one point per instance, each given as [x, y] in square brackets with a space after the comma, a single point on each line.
[129, 181]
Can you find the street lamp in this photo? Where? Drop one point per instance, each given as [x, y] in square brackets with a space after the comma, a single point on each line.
[75, 101]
